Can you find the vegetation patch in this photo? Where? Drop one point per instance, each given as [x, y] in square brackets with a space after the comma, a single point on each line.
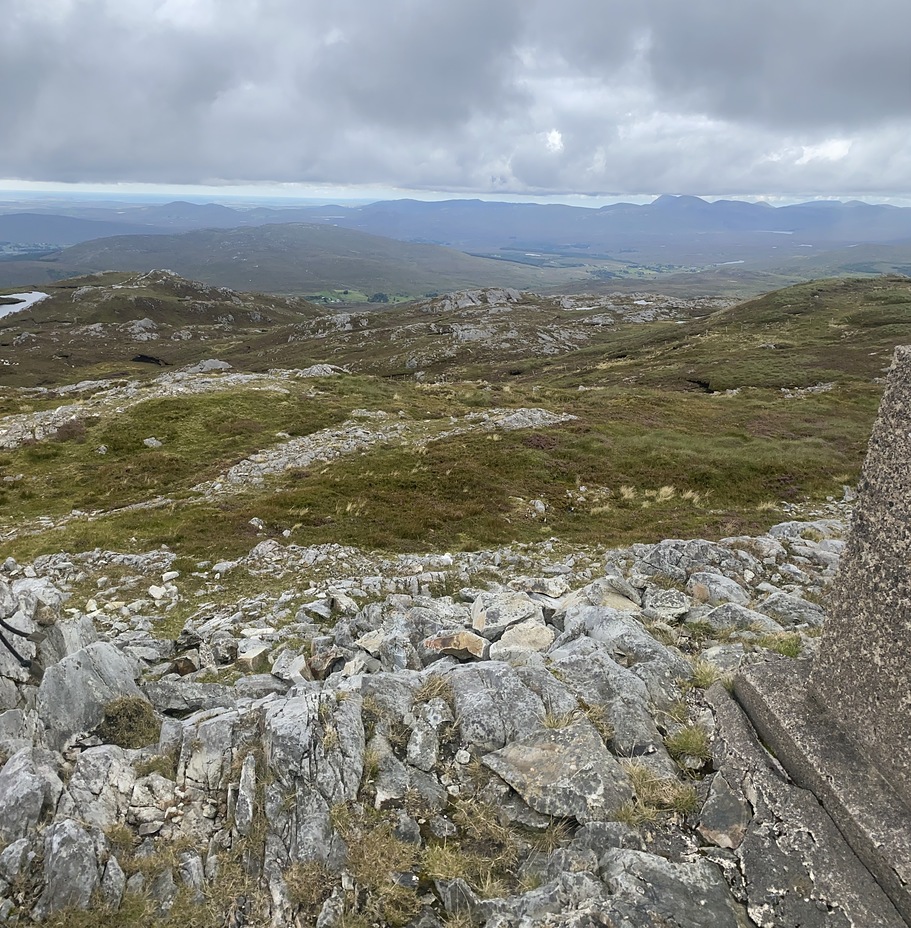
[129, 722]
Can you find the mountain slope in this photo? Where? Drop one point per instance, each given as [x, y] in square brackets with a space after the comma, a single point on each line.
[287, 258]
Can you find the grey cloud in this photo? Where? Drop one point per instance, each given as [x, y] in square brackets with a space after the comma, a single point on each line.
[708, 96]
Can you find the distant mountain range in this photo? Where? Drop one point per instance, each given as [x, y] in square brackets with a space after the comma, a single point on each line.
[472, 224]
[535, 245]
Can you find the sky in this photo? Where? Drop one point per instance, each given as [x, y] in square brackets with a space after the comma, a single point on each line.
[560, 99]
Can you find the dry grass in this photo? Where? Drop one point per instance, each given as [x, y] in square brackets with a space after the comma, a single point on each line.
[129, 722]
[690, 741]
[655, 796]
[435, 686]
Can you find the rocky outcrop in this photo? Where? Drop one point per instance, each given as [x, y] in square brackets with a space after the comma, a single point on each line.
[516, 737]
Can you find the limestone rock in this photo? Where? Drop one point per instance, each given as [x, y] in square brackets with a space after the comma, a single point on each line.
[459, 643]
[74, 692]
[707, 586]
[520, 639]
[654, 891]
[70, 869]
[493, 613]
[28, 791]
[791, 610]
[101, 785]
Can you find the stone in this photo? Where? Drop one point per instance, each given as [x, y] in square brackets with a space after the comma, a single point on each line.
[520, 639]
[796, 866]
[493, 613]
[27, 793]
[74, 692]
[588, 669]
[101, 785]
[706, 586]
[725, 816]
[113, 883]
[246, 796]
[659, 667]
[732, 615]
[669, 604]
[182, 696]
[461, 643]
[493, 706]
[70, 870]
[791, 610]
[654, 891]
[564, 772]
[253, 655]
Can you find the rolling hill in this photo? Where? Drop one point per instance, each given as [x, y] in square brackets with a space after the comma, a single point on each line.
[287, 258]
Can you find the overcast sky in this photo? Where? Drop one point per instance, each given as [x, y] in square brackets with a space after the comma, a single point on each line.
[710, 97]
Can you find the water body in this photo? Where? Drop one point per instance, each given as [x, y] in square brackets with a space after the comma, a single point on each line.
[25, 300]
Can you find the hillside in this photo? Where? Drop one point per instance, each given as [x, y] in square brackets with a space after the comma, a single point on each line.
[287, 258]
[420, 616]
[736, 408]
[676, 244]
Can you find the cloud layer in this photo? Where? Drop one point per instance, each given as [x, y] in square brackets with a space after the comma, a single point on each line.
[506, 96]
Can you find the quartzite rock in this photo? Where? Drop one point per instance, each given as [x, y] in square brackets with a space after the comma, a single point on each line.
[564, 772]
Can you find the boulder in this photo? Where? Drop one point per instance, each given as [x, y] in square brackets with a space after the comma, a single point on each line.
[493, 613]
[650, 890]
[708, 586]
[791, 610]
[564, 772]
[70, 870]
[75, 691]
[29, 790]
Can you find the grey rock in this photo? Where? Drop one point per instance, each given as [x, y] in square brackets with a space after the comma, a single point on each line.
[29, 791]
[669, 604]
[791, 610]
[245, 806]
[564, 772]
[183, 696]
[654, 891]
[599, 837]
[101, 785]
[493, 613]
[70, 870]
[725, 816]
[493, 706]
[66, 637]
[588, 669]
[660, 668]
[732, 615]
[796, 867]
[162, 892]
[520, 639]
[113, 883]
[319, 772]
[74, 692]
[710, 587]
[14, 859]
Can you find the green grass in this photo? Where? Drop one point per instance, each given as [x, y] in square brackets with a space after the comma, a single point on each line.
[656, 454]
